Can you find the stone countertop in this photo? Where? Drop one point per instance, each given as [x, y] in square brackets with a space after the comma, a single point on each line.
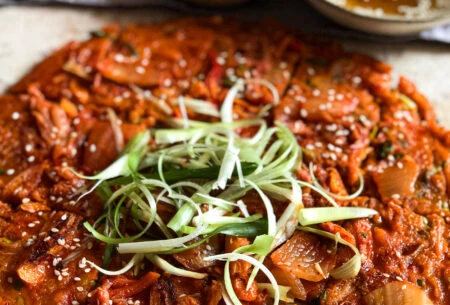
[31, 33]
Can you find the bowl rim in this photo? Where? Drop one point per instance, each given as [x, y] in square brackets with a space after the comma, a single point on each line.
[435, 14]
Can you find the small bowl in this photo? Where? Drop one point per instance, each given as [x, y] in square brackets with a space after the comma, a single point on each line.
[392, 25]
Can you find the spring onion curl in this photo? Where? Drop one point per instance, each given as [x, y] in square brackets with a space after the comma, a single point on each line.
[169, 268]
[350, 268]
[336, 196]
[201, 172]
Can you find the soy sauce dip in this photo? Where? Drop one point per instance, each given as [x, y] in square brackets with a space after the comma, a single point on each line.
[379, 8]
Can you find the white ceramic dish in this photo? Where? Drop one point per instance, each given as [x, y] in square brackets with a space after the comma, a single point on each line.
[384, 25]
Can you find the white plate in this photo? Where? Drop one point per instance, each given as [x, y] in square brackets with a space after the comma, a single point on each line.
[385, 25]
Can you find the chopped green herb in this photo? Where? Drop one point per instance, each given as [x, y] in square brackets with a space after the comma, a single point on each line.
[6, 240]
[399, 156]
[420, 282]
[99, 34]
[317, 61]
[421, 194]
[373, 132]
[310, 83]
[17, 283]
[227, 82]
[364, 235]
[2, 171]
[384, 149]
[337, 79]
[443, 164]
[102, 34]
[408, 103]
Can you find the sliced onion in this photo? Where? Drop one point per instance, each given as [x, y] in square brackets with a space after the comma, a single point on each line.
[397, 293]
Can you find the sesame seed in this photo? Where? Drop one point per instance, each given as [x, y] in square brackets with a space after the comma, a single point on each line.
[10, 279]
[54, 230]
[61, 241]
[119, 57]
[303, 113]
[28, 147]
[76, 121]
[220, 61]
[79, 288]
[398, 278]
[311, 71]
[286, 74]
[182, 63]
[92, 148]
[126, 94]
[31, 225]
[140, 69]
[396, 196]
[87, 270]
[47, 238]
[300, 98]
[310, 147]
[331, 127]
[15, 116]
[74, 302]
[167, 82]
[283, 65]
[64, 217]
[25, 200]
[339, 141]
[287, 110]
[145, 62]
[356, 80]
[31, 159]
[76, 279]
[10, 171]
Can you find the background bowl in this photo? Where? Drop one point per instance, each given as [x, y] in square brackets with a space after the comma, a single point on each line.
[385, 25]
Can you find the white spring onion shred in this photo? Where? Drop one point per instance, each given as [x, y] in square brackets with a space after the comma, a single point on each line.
[158, 245]
[183, 111]
[227, 278]
[336, 196]
[171, 269]
[135, 259]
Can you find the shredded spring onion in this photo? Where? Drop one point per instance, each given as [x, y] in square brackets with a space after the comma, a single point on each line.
[201, 172]
[336, 196]
[311, 216]
[169, 268]
[350, 268]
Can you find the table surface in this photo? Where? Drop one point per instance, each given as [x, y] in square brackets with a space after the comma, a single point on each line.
[31, 33]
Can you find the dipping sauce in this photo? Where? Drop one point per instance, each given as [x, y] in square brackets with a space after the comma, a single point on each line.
[407, 8]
